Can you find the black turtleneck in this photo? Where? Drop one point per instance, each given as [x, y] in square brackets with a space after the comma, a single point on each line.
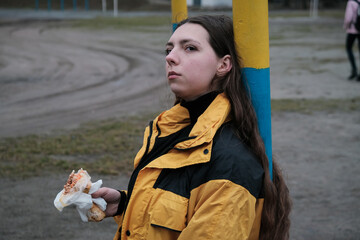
[199, 105]
[164, 144]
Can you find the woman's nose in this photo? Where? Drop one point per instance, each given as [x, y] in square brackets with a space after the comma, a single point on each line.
[172, 58]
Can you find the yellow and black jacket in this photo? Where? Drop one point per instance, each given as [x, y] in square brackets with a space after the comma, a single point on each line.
[207, 186]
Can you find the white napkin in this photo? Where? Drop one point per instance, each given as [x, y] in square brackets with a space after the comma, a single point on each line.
[82, 201]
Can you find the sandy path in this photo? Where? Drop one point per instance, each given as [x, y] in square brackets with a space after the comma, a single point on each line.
[54, 77]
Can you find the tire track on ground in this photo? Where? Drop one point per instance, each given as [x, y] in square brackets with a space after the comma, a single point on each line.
[66, 97]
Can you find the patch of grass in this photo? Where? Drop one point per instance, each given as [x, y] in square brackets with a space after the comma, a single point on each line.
[106, 147]
[288, 44]
[288, 14]
[315, 105]
[122, 22]
[109, 147]
[336, 13]
[331, 60]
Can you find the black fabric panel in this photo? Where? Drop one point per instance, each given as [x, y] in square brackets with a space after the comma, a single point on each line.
[230, 160]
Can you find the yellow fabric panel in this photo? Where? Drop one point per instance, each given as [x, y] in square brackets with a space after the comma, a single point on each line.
[257, 223]
[208, 123]
[141, 152]
[136, 218]
[177, 118]
[118, 220]
[251, 30]
[170, 123]
[221, 209]
[177, 158]
[168, 210]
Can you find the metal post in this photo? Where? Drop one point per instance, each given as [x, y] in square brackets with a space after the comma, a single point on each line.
[115, 8]
[179, 12]
[251, 30]
[104, 6]
[74, 5]
[315, 8]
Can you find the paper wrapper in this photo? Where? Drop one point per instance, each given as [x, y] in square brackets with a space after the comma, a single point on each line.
[83, 201]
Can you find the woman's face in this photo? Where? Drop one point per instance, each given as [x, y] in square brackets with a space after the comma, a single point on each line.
[191, 63]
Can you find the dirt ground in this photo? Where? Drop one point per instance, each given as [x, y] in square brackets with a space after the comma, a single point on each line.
[53, 77]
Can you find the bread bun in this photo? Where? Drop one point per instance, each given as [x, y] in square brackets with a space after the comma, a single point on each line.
[95, 214]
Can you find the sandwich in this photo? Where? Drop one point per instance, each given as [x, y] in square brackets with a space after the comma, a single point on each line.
[77, 191]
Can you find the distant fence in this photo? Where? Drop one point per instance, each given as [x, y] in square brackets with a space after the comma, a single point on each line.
[75, 4]
[49, 4]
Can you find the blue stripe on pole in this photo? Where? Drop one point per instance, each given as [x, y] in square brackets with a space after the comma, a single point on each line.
[86, 4]
[49, 5]
[259, 83]
[174, 26]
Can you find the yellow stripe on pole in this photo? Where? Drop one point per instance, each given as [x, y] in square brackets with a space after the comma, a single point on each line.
[251, 30]
[179, 11]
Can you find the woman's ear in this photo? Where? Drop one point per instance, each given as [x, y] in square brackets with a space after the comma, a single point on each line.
[224, 66]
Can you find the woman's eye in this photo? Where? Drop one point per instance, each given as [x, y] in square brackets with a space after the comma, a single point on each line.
[190, 48]
[167, 51]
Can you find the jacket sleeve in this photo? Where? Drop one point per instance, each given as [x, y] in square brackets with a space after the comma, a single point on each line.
[221, 209]
[120, 214]
[350, 11]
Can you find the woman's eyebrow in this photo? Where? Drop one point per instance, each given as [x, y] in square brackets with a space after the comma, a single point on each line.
[169, 44]
[182, 42]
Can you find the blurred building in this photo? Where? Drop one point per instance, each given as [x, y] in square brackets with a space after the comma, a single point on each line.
[209, 3]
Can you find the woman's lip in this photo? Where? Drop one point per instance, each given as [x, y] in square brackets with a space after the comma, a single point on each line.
[172, 75]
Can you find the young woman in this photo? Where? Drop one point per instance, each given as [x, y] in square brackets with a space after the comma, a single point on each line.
[202, 172]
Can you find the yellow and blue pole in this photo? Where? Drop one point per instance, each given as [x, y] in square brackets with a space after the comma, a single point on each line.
[251, 30]
[178, 11]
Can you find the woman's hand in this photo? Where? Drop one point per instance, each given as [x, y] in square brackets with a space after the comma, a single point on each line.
[111, 196]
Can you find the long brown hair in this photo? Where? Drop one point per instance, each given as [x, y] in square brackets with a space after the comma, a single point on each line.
[275, 221]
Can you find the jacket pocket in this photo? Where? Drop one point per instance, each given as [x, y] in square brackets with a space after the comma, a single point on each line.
[169, 211]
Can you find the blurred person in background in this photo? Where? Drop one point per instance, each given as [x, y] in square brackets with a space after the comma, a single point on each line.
[351, 35]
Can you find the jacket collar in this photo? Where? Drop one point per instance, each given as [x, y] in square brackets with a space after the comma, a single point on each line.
[205, 128]
[200, 138]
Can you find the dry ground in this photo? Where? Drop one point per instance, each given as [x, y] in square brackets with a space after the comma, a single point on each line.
[53, 76]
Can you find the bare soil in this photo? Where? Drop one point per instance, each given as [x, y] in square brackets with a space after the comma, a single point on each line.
[53, 77]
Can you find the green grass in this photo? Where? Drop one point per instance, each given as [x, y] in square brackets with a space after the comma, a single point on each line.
[315, 105]
[108, 147]
[335, 13]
